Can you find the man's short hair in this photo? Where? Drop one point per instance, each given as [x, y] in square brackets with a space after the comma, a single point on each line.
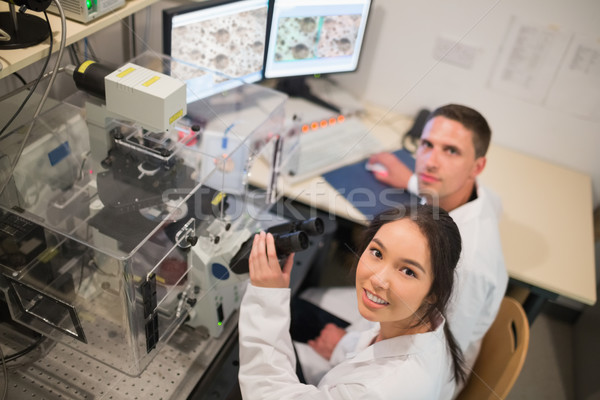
[470, 119]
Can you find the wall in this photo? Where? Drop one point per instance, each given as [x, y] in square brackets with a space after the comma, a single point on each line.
[398, 70]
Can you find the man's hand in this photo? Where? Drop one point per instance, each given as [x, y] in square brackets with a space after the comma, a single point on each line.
[397, 175]
[264, 267]
[330, 336]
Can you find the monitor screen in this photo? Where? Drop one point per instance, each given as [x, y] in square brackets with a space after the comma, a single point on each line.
[309, 37]
[224, 36]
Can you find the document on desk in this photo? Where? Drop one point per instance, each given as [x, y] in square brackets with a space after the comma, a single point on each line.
[367, 194]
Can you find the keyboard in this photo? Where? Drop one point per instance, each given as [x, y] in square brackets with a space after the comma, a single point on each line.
[328, 148]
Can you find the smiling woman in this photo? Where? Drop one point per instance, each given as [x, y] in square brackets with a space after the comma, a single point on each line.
[393, 279]
[403, 282]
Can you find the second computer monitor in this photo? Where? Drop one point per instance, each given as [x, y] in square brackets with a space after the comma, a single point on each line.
[309, 37]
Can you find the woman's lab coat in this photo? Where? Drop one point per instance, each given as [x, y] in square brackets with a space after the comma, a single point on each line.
[405, 367]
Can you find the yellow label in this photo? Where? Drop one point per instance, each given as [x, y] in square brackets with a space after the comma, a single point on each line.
[175, 116]
[126, 72]
[84, 66]
[151, 81]
[217, 199]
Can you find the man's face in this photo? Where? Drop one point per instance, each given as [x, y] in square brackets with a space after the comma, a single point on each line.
[446, 166]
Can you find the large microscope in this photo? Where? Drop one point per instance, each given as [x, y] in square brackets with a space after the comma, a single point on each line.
[129, 214]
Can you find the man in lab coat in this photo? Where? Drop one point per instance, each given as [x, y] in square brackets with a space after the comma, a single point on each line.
[450, 156]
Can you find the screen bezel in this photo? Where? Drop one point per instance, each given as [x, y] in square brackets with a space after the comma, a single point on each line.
[266, 74]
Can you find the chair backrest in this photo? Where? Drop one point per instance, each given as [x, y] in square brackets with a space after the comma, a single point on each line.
[501, 356]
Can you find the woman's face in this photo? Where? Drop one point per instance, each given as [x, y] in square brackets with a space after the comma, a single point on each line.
[394, 275]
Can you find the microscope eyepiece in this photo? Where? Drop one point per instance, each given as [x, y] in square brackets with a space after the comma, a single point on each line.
[290, 243]
[313, 226]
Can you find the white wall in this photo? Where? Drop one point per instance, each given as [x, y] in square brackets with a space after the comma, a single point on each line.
[398, 70]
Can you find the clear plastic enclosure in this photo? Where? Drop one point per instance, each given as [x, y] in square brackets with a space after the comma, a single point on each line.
[112, 236]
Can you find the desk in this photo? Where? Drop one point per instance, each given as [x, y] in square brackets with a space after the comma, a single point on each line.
[546, 228]
[14, 60]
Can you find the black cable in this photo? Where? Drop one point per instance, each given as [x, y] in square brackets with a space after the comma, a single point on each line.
[19, 77]
[37, 81]
[25, 351]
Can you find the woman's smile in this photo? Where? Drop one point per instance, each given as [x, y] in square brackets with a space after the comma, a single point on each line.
[371, 300]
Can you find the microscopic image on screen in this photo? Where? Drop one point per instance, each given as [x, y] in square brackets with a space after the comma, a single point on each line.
[232, 44]
[304, 38]
[338, 35]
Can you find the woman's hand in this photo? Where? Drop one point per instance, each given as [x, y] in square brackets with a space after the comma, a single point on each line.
[330, 335]
[265, 270]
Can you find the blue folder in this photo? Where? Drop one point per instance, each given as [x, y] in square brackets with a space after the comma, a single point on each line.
[367, 194]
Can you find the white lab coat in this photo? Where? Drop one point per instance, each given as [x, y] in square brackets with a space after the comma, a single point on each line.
[405, 367]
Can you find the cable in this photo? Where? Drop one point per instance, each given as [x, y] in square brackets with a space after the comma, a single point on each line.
[36, 81]
[28, 85]
[63, 37]
[19, 77]
[73, 55]
[23, 352]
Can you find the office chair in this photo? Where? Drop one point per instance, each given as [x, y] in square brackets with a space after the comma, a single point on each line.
[501, 356]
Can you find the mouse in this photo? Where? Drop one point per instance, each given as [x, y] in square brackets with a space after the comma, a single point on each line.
[376, 168]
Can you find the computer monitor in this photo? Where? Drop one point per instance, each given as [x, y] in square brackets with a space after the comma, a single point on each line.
[225, 36]
[312, 37]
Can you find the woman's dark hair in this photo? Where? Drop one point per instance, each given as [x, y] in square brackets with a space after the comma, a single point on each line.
[445, 246]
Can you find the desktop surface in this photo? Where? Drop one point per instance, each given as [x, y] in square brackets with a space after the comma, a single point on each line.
[546, 226]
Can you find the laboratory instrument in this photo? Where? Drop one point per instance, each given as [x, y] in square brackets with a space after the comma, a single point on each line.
[85, 11]
[111, 239]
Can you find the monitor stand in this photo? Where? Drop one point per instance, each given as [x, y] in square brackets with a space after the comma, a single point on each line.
[297, 87]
